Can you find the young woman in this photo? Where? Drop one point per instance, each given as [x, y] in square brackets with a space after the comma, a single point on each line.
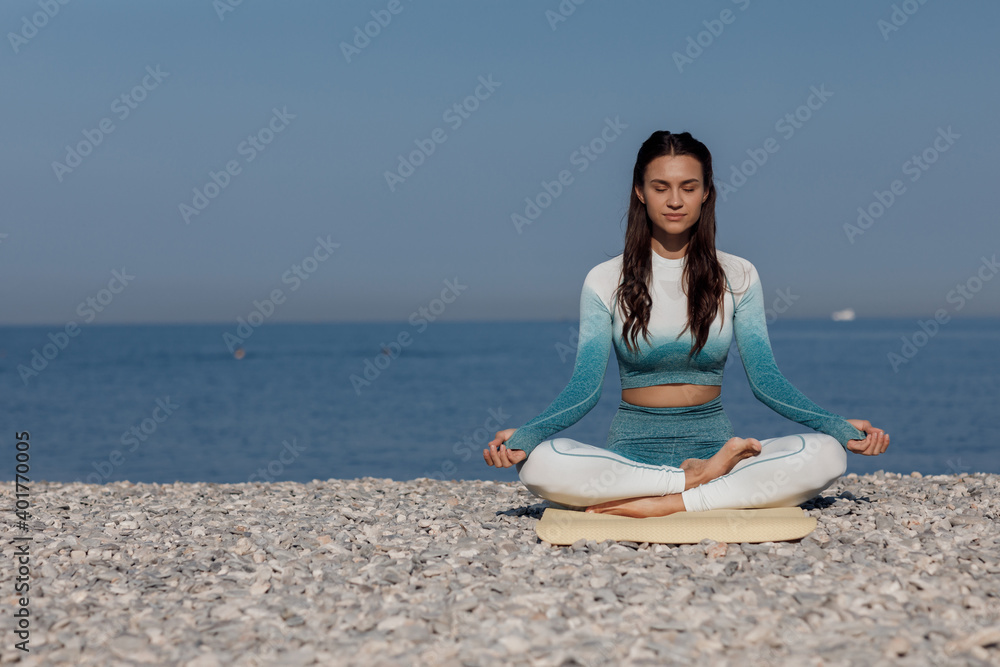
[671, 447]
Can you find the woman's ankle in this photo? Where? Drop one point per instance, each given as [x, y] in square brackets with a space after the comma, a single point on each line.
[694, 477]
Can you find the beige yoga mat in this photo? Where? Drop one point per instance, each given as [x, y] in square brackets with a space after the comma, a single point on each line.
[772, 524]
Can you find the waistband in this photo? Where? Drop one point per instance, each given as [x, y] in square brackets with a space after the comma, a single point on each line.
[714, 405]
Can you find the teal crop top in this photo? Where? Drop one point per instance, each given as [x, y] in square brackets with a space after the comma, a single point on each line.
[664, 360]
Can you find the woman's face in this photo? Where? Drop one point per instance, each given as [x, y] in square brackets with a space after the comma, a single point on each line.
[673, 193]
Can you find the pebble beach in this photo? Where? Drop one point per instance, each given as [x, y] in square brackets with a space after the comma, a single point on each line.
[901, 570]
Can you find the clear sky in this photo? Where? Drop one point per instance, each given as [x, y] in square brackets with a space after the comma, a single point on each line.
[117, 115]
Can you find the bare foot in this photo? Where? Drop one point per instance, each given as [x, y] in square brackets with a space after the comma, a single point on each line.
[641, 507]
[700, 471]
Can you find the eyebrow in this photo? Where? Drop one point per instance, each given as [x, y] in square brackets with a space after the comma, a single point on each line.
[659, 180]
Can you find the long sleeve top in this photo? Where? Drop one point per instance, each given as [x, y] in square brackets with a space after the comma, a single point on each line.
[663, 359]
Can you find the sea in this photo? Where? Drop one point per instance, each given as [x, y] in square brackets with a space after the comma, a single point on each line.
[167, 403]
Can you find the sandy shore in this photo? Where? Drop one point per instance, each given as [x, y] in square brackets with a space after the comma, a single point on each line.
[901, 570]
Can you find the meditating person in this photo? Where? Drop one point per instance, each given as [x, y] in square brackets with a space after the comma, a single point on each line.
[671, 446]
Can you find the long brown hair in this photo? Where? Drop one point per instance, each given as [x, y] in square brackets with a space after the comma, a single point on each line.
[703, 277]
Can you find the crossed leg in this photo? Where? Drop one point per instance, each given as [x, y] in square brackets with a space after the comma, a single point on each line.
[572, 473]
[788, 471]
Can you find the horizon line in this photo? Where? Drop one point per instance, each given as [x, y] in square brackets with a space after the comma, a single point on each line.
[448, 321]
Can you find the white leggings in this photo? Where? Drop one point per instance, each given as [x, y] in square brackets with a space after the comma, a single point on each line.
[788, 471]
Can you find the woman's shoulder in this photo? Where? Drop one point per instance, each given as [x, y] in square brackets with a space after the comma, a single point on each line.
[607, 271]
[603, 279]
[728, 259]
[740, 271]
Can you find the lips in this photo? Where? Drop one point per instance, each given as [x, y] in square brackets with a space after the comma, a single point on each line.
[674, 216]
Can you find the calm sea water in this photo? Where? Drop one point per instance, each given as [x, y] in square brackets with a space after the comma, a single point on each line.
[171, 403]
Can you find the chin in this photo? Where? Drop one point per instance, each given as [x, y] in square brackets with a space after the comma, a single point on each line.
[678, 227]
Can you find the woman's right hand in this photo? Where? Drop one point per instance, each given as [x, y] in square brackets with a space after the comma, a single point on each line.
[498, 455]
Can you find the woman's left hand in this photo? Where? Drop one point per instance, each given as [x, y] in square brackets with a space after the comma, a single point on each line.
[876, 442]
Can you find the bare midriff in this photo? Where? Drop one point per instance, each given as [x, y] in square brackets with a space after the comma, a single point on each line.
[671, 395]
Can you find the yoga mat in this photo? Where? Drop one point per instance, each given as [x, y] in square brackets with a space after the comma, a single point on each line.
[772, 524]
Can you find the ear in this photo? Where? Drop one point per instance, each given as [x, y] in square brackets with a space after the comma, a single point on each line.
[638, 193]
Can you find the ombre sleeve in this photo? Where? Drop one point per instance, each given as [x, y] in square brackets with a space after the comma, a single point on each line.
[767, 383]
[584, 389]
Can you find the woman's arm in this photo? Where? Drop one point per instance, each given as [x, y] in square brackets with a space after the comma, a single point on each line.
[584, 388]
[768, 384]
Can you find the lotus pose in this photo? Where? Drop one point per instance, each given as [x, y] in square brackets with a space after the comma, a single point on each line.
[671, 304]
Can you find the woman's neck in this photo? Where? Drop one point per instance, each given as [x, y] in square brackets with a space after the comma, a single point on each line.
[671, 246]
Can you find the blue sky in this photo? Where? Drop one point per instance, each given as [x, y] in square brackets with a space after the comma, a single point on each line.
[162, 95]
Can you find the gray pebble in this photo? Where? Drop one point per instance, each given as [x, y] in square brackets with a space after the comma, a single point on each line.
[375, 571]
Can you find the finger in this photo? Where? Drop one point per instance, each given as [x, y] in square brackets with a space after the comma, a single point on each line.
[505, 455]
[486, 457]
[495, 456]
[502, 457]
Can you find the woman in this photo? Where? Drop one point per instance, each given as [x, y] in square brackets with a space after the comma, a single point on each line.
[671, 447]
